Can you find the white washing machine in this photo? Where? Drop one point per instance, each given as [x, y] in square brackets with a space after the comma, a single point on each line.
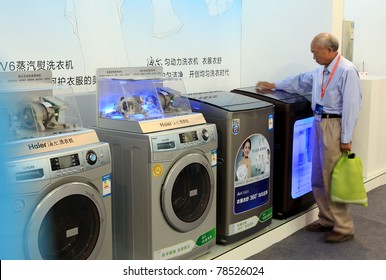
[164, 192]
[58, 198]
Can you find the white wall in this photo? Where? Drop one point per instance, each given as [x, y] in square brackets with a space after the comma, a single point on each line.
[198, 41]
[370, 33]
[276, 36]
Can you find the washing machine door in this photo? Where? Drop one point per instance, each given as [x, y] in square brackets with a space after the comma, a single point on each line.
[188, 192]
[67, 224]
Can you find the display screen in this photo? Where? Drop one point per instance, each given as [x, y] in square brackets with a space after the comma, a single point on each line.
[166, 145]
[64, 162]
[301, 158]
[188, 137]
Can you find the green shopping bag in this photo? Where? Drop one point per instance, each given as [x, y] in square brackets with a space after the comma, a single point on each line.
[347, 181]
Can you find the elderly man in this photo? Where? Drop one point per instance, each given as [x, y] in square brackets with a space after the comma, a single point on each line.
[336, 102]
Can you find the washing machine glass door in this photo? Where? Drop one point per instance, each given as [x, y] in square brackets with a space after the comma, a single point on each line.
[187, 194]
[68, 224]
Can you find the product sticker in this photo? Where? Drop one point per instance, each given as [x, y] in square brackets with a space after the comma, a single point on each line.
[206, 237]
[235, 126]
[174, 251]
[214, 157]
[106, 183]
[243, 225]
[158, 170]
[252, 174]
[265, 215]
[270, 122]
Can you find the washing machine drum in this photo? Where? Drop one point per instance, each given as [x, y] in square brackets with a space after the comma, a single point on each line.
[187, 194]
[68, 224]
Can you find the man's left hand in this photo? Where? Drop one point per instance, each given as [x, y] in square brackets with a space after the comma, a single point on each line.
[345, 147]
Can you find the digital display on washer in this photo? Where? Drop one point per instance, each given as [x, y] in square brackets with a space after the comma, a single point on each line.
[188, 137]
[166, 145]
[64, 162]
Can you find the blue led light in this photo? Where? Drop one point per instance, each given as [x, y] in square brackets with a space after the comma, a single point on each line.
[301, 158]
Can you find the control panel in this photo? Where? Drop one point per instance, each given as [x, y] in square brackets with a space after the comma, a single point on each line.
[184, 138]
[58, 164]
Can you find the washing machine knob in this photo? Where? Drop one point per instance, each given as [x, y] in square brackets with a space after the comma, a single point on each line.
[91, 157]
[205, 134]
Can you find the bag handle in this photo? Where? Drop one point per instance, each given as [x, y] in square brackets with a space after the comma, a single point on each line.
[348, 154]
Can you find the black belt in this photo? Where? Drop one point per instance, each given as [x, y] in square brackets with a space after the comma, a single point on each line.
[331, 116]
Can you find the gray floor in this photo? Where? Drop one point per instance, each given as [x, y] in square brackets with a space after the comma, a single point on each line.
[369, 242]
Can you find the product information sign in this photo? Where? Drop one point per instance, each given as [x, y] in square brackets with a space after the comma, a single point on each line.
[252, 172]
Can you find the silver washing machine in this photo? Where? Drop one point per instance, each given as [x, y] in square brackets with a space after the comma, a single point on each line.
[245, 144]
[58, 198]
[164, 192]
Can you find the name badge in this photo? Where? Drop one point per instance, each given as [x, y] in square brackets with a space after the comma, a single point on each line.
[318, 112]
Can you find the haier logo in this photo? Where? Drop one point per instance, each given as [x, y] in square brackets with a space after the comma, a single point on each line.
[165, 124]
[37, 146]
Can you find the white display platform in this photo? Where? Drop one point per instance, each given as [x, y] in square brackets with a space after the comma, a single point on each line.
[369, 139]
[277, 231]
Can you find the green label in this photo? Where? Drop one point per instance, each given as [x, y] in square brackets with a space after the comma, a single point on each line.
[206, 237]
[266, 215]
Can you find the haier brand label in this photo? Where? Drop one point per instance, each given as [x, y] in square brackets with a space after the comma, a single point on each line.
[175, 123]
[51, 143]
[165, 124]
[37, 146]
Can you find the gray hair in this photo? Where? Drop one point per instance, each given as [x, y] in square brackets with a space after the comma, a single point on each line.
[326, 40]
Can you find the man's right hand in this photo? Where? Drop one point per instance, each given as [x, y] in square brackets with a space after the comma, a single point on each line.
[265, 85]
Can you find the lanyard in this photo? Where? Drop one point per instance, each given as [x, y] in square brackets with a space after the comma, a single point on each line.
[329, 78]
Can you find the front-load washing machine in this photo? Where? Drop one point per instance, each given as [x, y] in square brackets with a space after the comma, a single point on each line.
[58, 198]
[245, 145]
[164, 192]
[164, 160]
